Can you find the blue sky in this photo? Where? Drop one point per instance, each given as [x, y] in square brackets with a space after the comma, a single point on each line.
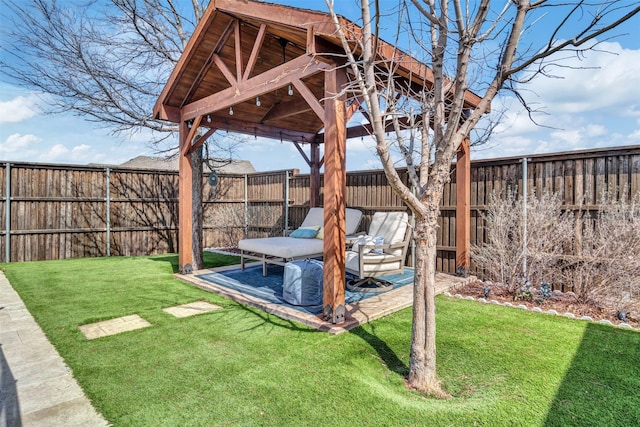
[596, 106]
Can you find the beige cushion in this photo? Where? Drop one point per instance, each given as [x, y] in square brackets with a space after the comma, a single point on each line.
[391, 226]
[289, 247]
[316, 217]
[283, 247]
[353, 263]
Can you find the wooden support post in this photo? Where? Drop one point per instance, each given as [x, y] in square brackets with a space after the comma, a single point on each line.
[463, 209]
[314, 178]
[185, 219]
[335, 179]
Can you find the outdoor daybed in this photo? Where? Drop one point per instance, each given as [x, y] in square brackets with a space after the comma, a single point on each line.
[305, 242]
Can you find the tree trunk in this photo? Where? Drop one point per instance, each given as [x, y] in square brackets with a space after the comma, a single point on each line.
[422, 364]
[196, 164]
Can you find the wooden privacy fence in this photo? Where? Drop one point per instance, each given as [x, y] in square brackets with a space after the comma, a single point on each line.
[62, 211]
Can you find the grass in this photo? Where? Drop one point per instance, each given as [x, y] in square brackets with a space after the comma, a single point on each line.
[241, 366]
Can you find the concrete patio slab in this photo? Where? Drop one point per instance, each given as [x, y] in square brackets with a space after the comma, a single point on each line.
[113, 326]
[191, 309]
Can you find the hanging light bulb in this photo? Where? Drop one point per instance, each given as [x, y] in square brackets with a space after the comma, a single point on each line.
[231, 111]
[258, 103]
[189, 124]
[290, 89]
[208, 118]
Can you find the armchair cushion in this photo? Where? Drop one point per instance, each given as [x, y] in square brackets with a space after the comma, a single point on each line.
[375, 263]
[368, 242]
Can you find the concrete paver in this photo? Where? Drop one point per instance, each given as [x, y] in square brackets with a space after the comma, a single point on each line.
[113, 326]
[36, 387]
[191, 309]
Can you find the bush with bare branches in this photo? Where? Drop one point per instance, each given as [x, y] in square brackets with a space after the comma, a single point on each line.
[511, 247]
[606, 260]
[597, 257]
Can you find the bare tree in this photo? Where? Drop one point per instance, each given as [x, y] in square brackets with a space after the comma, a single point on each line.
[107, 62]
[458, 40]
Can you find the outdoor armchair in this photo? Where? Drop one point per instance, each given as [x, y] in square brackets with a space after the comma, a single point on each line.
[381, 252]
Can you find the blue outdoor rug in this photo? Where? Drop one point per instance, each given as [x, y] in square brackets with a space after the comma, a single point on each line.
[252, 282]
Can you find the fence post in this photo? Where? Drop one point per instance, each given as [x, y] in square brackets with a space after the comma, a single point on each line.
[108, 214]
[7, 204]
[246, 206]
[524, 215]
[286, 204]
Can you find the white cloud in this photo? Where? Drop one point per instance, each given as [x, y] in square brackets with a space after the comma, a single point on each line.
[55, 153]
[82, 153]
[588, 108]
[606, 77]
[18, 109]
[17, 144]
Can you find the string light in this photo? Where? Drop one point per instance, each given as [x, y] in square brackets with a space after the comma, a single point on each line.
[208, 118]
[258, 103]
[231, 111]
[290, 89]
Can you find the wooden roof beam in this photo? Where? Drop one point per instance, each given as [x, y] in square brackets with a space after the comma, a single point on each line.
[186, 149]
[310, 98]
[367, 129]
[238, 46]
[257, 45]
[262, 130]
[226, 72]
[283, 110]
[300, 67]
[212, 57]
[198, 142]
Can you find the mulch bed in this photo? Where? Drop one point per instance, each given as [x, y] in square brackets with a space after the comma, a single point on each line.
[560, 302]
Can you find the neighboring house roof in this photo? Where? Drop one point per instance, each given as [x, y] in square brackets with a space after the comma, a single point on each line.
[171, 163]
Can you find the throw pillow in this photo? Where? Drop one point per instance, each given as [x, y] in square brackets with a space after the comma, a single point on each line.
[305, 232]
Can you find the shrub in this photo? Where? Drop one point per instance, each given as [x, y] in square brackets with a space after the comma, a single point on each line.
[549, 231]
[605, 263]
[597, 257]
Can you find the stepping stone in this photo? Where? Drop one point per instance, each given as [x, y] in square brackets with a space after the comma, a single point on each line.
[191, 309]
[113, 326]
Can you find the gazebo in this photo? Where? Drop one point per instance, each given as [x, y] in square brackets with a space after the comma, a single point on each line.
[276, 71]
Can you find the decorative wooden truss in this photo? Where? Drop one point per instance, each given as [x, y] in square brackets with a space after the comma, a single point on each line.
[275, 71]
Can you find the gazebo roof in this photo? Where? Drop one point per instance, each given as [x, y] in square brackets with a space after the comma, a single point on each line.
[242, 50]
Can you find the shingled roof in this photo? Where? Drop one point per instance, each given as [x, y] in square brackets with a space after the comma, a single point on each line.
[232, 167]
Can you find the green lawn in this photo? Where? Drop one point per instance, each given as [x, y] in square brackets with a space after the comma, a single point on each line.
[241, 366]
